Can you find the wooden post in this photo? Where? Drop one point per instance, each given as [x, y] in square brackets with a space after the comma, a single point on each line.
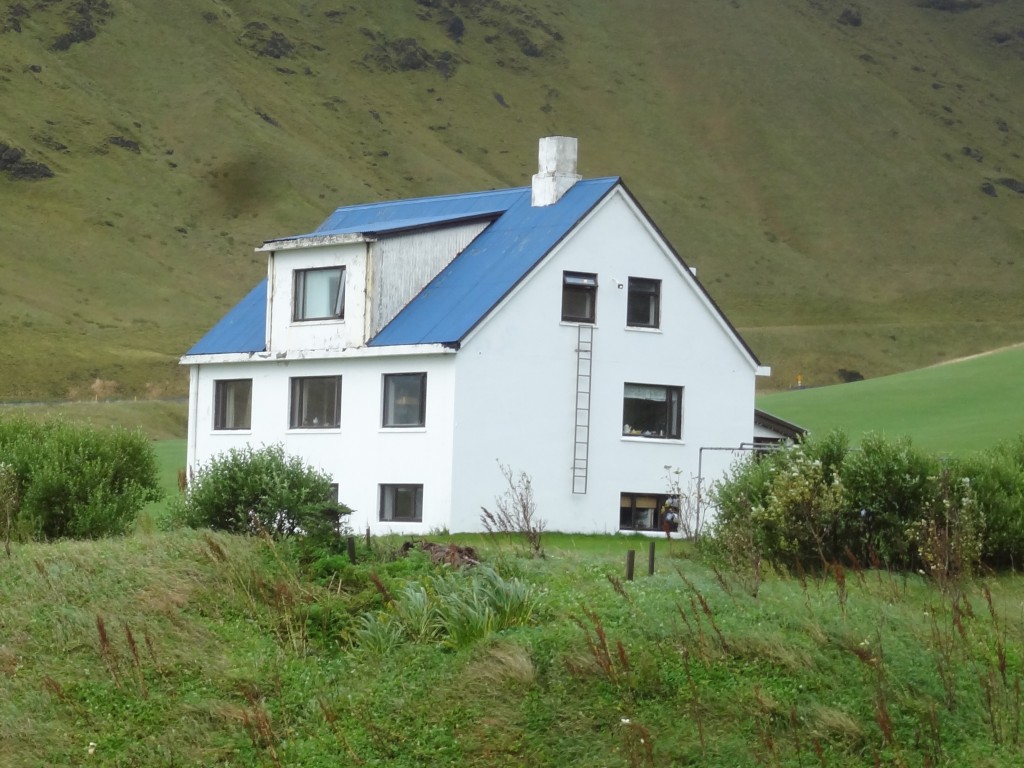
[352, 549]
[367, 537]
[650, 560]
[630, 563]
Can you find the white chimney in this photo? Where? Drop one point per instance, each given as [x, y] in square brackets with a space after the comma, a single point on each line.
[556, 169]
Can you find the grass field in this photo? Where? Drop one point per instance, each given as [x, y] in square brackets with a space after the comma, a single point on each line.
[957, 408]
[192, 648]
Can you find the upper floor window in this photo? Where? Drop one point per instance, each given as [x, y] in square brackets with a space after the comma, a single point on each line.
[579, 297]
[643, 306]
[316, 402]
[232, 407]
[319, 294]
[405, 400]
[652, 410]
[401, 503]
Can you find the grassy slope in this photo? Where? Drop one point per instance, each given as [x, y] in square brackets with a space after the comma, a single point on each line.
[957, 408]
[240, 660]
[813, 171]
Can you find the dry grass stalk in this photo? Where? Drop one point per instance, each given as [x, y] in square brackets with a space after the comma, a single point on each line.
[107, 652]
[136, 661]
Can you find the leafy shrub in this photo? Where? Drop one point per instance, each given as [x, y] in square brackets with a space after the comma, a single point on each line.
[997, 483]
[247, 490]
[887, 484]
[76, 481]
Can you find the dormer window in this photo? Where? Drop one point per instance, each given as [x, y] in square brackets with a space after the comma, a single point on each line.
[319, 294]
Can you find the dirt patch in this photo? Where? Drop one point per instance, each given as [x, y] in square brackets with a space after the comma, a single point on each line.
[448, 554]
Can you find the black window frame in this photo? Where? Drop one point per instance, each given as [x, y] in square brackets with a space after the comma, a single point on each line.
[389, 493]
[223, 415]
[577, 286]
[299, 295]
[644, 294]
[640, 421]
[389, 405]
[299, 396]
[656, 515]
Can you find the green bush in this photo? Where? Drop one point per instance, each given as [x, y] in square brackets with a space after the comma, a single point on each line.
[887, 485]
[76, 481]
[997, 481]
[264, 490]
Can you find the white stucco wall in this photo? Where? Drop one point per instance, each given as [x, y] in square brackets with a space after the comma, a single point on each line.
[360, 455]
[515, 382]
[286, 335]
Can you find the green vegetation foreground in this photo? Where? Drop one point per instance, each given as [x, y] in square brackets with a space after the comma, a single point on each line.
[211, 649]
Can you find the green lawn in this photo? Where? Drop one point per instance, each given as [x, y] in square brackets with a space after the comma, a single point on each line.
[956, 408]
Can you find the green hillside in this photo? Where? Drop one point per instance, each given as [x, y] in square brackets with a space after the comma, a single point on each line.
[959, 408]
[848, 180]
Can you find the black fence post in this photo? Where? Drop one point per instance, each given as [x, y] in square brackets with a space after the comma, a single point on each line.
[630, 563]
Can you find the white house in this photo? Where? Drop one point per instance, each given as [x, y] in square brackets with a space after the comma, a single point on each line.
[410, 349]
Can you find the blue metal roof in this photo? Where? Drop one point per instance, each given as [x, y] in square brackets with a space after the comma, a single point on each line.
[380, 218]
[243, 329]
[467, 289]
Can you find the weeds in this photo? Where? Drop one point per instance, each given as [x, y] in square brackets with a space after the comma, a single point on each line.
[515, 512]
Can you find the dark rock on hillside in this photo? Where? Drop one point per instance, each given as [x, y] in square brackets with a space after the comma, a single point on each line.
[848, 376]
[83, 20]
[16, 167]
[989, 189]
[850, 17]
[406, 54]
[974, 154]
[263, 41]
[951, 6]
[1014, 185]
[123, 143]
[15, 13]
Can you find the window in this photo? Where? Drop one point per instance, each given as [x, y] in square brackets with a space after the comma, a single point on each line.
[232, 404]
[643, 511]
[405, 399]
[579, 297]
[643, 307]
[650, 410]
[401, 503]
[316, 402]
[319, 294]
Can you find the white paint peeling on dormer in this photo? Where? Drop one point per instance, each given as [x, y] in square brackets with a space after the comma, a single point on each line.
[311, 241]
[400, 267]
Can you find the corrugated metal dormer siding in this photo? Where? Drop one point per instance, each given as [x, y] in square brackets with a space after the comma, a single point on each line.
[401, 265]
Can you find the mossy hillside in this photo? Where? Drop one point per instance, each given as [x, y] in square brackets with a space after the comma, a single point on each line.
[831, 180]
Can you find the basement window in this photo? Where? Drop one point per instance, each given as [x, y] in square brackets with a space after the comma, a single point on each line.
[232, 407]
[316, 402]
[319, 294]
[641, 511]
[401, 503]
[652, 410]
[643, 305]
[579, 297]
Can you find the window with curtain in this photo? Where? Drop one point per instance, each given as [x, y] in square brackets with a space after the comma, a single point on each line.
[315, 402]
[652, 410]
[232, 404]
[319, 294]
[405, 400]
